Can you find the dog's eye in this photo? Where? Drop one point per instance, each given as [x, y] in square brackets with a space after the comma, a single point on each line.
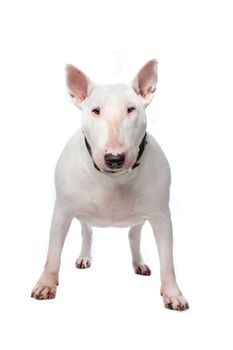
[96, 111]
[130, 109]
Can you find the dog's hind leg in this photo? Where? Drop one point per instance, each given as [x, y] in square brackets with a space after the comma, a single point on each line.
[84, 260]
[139, 266]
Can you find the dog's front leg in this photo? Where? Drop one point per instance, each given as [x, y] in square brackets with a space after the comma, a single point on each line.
[47, 284]
[162, 228]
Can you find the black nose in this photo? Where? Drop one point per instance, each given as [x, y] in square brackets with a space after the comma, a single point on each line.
[114, 162]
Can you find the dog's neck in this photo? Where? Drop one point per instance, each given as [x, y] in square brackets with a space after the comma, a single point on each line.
[136, 164]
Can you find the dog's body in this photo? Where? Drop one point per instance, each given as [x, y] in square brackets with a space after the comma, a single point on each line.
[113, 174]
[111, 200]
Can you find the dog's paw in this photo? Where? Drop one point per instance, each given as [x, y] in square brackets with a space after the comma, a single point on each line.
[83, 263]
[42, 292]
[141, 269]
[174, 300]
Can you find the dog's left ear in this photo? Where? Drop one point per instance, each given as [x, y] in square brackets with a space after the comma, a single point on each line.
[79, 84]
[145, 81]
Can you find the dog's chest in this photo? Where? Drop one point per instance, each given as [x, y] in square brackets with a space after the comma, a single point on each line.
[113, 207]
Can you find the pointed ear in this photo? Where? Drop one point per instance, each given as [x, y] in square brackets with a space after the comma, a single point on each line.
[145, 81]
[78, 83]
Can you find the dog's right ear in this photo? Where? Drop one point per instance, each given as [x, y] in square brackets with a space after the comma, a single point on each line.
[78, 83]
[144, 84]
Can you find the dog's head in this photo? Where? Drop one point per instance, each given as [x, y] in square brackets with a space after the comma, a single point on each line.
[114, 119]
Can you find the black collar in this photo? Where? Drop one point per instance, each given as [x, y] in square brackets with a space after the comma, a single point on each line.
[140, 152]
[90, 152]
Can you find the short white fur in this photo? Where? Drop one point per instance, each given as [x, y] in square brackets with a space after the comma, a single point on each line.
[126, 198]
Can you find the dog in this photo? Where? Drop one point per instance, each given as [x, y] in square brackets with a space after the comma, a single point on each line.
[113, 173]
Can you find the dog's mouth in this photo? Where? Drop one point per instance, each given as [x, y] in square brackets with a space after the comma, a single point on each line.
[113, 171]
[115, 167]
[103, 169]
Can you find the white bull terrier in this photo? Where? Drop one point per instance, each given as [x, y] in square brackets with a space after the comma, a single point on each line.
[113, 173]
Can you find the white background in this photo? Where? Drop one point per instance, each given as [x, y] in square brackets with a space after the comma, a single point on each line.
[107, 306]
